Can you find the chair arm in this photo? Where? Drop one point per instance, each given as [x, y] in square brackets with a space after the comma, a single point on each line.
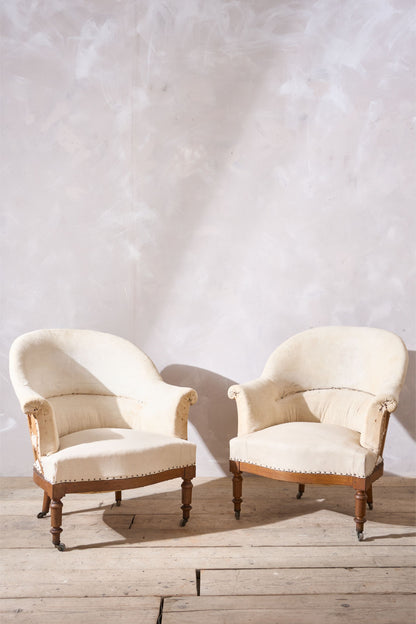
[33, 404]
[257, 404]
[376, 422]
[165, 408]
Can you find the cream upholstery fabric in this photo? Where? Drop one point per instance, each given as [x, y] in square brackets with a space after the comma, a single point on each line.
[305, 447]
[75, 412]
[361, 358]
[74, 380]
[346, 376]
[55, 362]
[109, 453]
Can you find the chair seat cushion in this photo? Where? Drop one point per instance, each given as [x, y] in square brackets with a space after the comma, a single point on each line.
[112, 453]
[305, 447]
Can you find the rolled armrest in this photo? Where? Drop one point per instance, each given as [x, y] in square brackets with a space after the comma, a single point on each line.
[387, 401]
[37, 406]
[376, 421]
[165, 408]
[257, 404]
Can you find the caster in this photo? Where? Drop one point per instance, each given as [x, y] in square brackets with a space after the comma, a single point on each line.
[237, 515]
[118, 503]
[299, 495]
[60, 547]
[42, 514]
[370, 505]
[183, 522]
[360, 536]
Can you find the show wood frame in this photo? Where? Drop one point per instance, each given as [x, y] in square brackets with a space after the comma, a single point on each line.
[54, 492]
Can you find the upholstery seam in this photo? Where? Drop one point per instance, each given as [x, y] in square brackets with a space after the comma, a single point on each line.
[327, 388]
[89, 394]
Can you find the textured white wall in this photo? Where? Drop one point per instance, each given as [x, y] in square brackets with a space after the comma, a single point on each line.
[207, 178]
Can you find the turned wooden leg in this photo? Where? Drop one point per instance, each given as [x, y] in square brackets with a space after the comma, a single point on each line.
[301, 489]
[186, 500]
[360, 501]
[370, 497]
[237, 491]
[45, 506]
[56, 521]
[118, 498]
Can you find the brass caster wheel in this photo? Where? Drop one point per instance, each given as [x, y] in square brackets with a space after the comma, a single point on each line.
[370, 505]
[183, 522]
[299, 495]
[237, 515]
[60, 547]
[360, 536]
[118, 503]
[42, 514]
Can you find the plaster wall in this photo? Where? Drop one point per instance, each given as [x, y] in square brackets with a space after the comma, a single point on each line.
[207, 178]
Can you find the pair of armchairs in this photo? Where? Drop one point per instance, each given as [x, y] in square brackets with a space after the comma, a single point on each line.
[102, 419]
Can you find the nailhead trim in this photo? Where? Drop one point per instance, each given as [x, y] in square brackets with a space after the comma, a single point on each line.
[144, 474]
[342, 474]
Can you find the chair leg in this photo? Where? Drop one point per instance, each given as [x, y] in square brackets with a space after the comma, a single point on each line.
[360, 519]
[45, 506]
[118, 498]
[186, 500]
[237, 491]
[370, 497]
[56, 521]
[301, 490]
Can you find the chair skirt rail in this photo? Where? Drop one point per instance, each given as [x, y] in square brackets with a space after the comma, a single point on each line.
[58, 490]
[358, 483]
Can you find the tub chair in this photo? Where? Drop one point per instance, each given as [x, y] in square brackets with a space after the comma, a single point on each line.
[100, 417]
[319, 412]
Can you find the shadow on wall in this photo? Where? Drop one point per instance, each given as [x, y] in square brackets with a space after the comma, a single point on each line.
[406, 411]
[194, 120]
[214, 416]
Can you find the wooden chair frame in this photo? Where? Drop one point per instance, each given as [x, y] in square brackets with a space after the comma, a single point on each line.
[54, 492]
[362, 486]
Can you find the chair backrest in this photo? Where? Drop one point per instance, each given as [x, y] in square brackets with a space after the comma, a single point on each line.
[57, 362]
[358, 358]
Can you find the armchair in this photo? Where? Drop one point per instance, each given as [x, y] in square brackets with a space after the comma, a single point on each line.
[319, 412]
[100, 417]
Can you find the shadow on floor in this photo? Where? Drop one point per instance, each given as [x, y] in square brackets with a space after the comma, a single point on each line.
[155, 517]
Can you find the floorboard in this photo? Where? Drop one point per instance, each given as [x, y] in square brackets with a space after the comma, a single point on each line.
[303, 609]
[284, 561]
[69, 611]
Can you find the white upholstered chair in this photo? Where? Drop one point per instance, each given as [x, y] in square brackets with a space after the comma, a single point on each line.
[319, 412]
[100, 416]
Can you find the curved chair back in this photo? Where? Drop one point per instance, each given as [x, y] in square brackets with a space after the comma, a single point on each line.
[57, 362]
[358, 358]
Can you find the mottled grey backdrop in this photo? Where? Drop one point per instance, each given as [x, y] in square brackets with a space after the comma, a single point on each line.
[206, 178]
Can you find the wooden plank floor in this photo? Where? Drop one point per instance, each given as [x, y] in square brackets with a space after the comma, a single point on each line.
[285, 561]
